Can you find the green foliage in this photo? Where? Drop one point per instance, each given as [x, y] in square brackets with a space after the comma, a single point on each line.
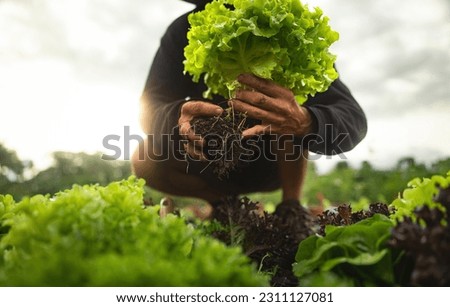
[280, 40]
[420, 192]
[9, 161]
[351, 185]
[81, 168]
[11, 167]
[354, 255]
[367, 254]
[67, 168]
[343, 184]
[6, 205]
[104, 236]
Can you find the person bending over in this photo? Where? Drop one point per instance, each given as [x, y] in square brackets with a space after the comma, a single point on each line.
[171, 158]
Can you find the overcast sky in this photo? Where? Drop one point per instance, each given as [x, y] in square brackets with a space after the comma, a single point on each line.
[71, 72]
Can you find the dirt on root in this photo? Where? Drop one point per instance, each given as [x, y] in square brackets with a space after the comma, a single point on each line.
[224, 147]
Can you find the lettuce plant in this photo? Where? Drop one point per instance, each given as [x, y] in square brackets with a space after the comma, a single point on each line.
[353, 255]
[280, 40]
[410, 247]
[104, 236]
[420, 192]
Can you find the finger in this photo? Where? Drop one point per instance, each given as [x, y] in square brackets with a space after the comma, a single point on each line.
[196, 138]
[194, 153]
[187, 133]
[260, 100]
[255, 112]
[256, 130]
[196, 108]
[184, 128]
[264, 86]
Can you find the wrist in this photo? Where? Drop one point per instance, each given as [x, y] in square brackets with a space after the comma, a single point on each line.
[306, 122]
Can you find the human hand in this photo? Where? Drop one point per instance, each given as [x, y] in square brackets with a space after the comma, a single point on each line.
[273, 104]
[189, 111]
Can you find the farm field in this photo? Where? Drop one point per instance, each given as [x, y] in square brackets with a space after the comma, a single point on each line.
[114, 235]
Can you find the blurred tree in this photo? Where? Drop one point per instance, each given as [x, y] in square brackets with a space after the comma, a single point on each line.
[81, 168]
[343, 184]
[67, 169]
[11, 168]
[441, 166]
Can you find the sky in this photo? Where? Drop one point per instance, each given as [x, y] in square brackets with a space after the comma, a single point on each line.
[72, 72]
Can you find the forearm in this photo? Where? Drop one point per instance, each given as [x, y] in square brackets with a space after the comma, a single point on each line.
[159, 118]
[159, 115]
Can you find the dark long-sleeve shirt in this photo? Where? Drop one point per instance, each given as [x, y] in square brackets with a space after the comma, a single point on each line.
[339, 122]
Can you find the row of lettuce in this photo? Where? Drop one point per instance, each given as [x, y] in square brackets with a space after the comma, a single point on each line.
[408, 247]
[104, 236]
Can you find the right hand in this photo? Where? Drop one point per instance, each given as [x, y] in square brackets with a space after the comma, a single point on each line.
[189, 111]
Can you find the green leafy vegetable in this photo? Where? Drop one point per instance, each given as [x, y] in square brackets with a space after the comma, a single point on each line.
[426, 242]
[280, 40]
[348, 255]
[420, 192]
[103, 236]
[374, 252]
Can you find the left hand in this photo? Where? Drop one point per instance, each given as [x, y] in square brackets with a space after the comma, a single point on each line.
[273, 104]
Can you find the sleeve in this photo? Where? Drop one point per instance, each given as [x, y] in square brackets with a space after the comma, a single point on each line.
[167, 88]
[339, 121]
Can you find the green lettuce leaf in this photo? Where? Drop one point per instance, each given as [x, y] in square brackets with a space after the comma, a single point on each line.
[357, 253]
[280, 40]
[420, 192]
[104, 236]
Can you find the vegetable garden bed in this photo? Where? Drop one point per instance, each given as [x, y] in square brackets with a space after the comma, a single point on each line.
[106, 236]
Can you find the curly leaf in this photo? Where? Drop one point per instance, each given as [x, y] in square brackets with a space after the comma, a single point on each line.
[280, 40]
